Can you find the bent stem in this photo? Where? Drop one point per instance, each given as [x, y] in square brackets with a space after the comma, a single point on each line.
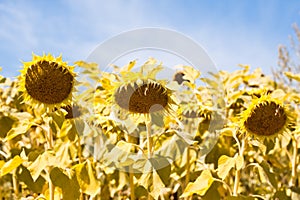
[238, 171]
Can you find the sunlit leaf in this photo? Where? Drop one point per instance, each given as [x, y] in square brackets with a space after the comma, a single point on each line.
[239, 162]
[11, 165]
[86, 178]
[200, 186]
[15, 131]
[41, 162]
[225, 164]
[292, 76]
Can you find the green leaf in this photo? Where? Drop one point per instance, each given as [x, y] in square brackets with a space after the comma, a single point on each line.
[157, 119]
[225, 164]
[157, 185]
[200, 186]
[227, 132]
[120, 154]
[162, 167]
[213, 192]
[25, 176]
[281, 194]
[271, 176]
[240, 197]
[239, 162]
[40, 163]
[65, 129]
[11, 165]
[86, 178]
[69, 186]
[21, 129]
[152, 182]
[5, 124]
[140, 191]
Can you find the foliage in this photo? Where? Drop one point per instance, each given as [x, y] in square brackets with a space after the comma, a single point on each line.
[198, 152]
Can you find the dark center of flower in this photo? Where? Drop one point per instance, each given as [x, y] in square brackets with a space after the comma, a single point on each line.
[49, 83]
[266, 119]
[146, 98]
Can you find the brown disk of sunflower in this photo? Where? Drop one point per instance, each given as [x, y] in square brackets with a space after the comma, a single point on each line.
[144, 98]
[265, 118]
[47, 80]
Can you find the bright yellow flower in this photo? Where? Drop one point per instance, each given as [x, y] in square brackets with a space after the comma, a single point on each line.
[265, 118]
[137, 93]
[47, 81]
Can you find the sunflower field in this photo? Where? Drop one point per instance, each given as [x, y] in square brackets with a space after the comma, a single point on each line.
[77, 132]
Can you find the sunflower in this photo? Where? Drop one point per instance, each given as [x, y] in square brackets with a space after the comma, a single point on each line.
[137, 93]
[265, 118]
[193, 110]
[47, 81]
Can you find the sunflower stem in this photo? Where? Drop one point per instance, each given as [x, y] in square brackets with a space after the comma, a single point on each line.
[50, 146]
[238, 171]
[149, 139]
[131, 175]
[294, 161]
[149, 146]
[15, 184]
[188, 164]
[131, 183]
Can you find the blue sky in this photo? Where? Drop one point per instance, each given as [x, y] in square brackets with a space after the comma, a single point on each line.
[232, 32]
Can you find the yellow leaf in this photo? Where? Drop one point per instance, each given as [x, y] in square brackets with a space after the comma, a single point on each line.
[225, 164]
[158, 185]
[227, 132]
[292, 76]
[86, 177]
[239, 162]
[11, 165]
[46, 159]
[200, 186]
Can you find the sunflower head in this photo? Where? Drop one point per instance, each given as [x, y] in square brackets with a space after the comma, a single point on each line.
[47, 81]
[143, 97]
[265, 118]
[137, 93]
[194, 110]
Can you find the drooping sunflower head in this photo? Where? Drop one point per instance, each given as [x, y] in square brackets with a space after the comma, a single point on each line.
[265, 118]
[194, 110]
[47, 81]
[143, 97]
[138, 93]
